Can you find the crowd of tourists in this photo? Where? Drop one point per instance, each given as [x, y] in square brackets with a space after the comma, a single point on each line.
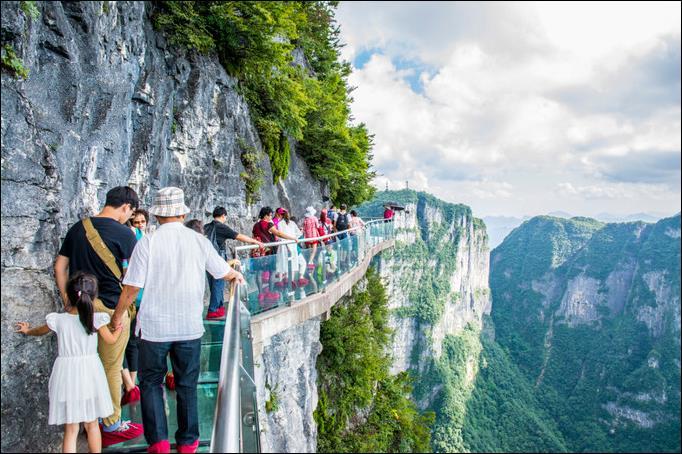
[134, 295]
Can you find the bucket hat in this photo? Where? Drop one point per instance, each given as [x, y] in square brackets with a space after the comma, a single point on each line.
[169, 202]
[310, 211]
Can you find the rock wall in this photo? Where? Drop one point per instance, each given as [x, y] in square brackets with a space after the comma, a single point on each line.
[286, 381]
[107, 102]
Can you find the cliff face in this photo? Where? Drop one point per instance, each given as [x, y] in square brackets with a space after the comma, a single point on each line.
[286, 381]
[437, 278]
[591, 314]
[107, 102]
[437, 281]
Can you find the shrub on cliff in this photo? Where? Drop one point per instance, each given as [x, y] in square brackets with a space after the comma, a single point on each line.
[362, 408]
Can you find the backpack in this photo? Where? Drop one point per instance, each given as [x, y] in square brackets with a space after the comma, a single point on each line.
[342, 221]
[210, 232]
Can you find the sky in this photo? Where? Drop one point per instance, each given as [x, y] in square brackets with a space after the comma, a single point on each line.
[521, 108]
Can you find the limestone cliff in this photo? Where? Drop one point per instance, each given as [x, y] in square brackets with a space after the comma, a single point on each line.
[437, 280]
[286, 379]
[437, 275]
[591, 314]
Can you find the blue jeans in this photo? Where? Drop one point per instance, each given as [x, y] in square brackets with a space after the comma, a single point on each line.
[217, 287]
[184, 357]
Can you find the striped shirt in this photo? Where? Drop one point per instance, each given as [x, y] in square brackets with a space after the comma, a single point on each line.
[171, 266]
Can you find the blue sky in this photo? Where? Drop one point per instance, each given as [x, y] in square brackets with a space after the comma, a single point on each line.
[522, 108]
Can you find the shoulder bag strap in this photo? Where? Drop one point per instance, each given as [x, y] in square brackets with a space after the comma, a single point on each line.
[101, 249]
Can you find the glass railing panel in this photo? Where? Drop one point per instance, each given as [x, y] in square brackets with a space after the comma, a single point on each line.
[330, 262]
[295, 272]
[310, 279]
[345, 256]
[353, 249]
[209, 361]
[250, 440]
[261, 273]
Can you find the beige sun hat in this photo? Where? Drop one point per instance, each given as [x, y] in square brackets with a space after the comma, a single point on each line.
[169, 202]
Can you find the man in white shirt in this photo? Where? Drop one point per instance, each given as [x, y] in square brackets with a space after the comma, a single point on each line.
[171, 266]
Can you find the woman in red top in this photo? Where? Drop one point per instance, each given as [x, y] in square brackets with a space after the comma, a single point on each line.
[265, 231]
[326, 225]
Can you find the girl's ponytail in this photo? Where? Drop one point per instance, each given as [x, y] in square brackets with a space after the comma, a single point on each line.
[86, 312]
[82, 291]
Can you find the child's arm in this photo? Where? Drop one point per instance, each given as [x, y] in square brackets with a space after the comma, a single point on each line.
[23, 327]
[107, 336]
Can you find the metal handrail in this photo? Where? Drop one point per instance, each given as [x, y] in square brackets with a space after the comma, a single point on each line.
[308, 240]
[227, 421]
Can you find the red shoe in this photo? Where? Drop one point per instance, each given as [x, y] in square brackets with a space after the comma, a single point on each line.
[302, 282]
[272, 296]
[221, 309]
[188, 448]
[126, 431]
[160, 446]
[131, 396]
[280, 284]
[170, 381]
[215, 315]
[261, 297]
[311, 266]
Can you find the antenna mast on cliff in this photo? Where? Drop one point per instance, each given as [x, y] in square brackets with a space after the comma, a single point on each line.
[387, 185]
[407, 184]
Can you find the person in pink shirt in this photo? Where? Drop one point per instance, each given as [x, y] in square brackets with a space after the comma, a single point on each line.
[388, 212]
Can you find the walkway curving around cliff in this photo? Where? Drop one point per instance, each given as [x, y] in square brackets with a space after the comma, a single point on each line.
[267, 324]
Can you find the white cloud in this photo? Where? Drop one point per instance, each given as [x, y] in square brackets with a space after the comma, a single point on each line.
[516, 97]
[611, 191]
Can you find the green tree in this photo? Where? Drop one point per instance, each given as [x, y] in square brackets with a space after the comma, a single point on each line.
[307, 102]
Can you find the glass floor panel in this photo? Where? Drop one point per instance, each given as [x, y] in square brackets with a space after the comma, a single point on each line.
[215, 331]
[206, 394]
[209, 363]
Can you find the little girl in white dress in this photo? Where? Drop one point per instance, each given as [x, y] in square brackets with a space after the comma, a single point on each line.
[78, 385]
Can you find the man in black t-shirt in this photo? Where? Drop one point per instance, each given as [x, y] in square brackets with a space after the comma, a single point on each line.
[77, 254]
[218, 232]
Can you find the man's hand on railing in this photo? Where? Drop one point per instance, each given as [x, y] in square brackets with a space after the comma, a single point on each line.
[235, 276]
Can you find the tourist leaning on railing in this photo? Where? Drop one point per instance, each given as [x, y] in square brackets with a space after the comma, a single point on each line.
[265, 231]
[218, 232]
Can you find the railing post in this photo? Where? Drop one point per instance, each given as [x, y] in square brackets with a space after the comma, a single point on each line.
[227, 420]
[249, 404]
